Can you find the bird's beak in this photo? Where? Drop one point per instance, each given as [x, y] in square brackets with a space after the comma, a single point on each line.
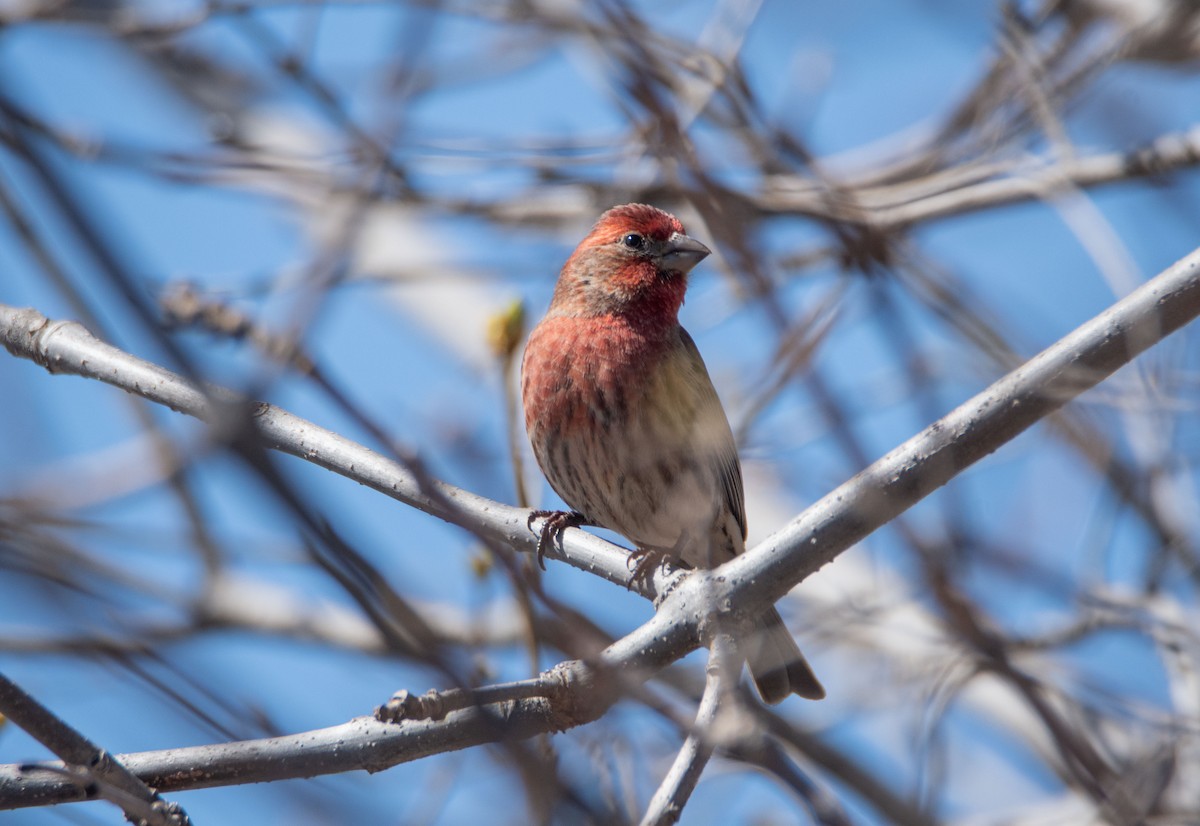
[681, 253]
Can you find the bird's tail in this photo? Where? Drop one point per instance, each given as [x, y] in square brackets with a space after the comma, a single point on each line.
[776, 664]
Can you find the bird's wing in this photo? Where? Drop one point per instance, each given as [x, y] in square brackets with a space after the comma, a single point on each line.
[717, 438]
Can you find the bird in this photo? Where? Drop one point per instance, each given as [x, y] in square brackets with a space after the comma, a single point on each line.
[626, 424]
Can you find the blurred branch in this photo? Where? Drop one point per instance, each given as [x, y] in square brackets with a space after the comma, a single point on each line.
[824, 808]
[1080, 762]
[837, 763]
[976, 187]
[271, 609]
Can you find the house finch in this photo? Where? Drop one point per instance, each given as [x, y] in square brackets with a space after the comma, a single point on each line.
[627, 426]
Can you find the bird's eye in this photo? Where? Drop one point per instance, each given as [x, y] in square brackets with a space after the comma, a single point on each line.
[633, 241]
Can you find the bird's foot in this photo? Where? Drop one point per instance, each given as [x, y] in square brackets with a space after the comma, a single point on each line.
[556, 522]
[643, 561]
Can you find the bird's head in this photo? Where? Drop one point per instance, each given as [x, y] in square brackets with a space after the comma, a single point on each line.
[635, 259]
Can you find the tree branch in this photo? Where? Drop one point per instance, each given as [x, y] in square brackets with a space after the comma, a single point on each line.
[88, 769]
[67, 347]
[910, 472]
[962, 191]
[666, 806]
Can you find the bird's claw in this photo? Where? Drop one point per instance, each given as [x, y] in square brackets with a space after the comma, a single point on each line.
[643, 561]
[556, 522]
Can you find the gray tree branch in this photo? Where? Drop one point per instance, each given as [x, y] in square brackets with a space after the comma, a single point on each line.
[666, 805]
[86, 767]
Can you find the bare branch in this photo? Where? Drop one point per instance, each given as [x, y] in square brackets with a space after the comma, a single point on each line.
[890, 486]
[666, 806]
[66, 347]
[981, 187]
[88, 770]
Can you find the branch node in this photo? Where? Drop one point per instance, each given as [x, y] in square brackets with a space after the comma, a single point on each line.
[404, 705]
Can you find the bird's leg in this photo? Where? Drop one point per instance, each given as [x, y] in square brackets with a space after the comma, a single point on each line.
[556, 522]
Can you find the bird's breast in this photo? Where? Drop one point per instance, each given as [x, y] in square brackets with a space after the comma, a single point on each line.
[583, 372]
[611, 413]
